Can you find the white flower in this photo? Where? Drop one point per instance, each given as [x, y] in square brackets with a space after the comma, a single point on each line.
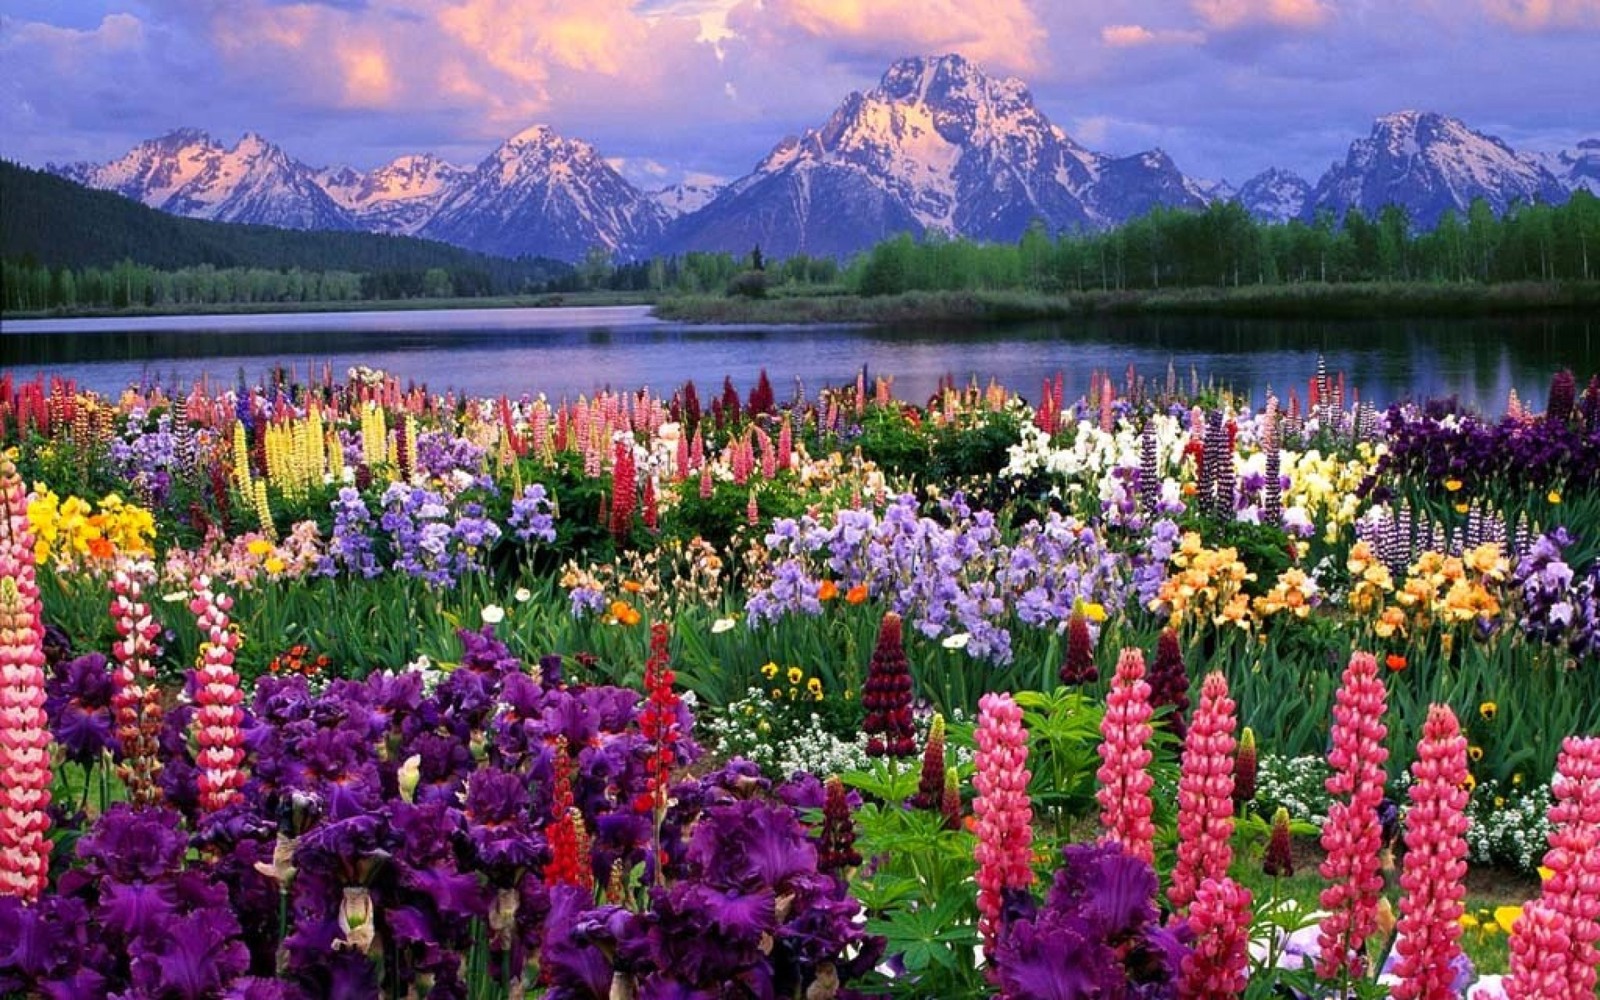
[493, 614]
[957, 641]
[522, 595]
[721, 625]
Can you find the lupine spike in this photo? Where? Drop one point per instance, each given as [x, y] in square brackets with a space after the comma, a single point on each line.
[1003, 810]
[1124, 776]
[1205, 794]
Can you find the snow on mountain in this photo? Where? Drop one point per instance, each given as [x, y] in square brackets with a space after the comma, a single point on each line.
[1275, 195]
[681, 199]
[398, 197]
[545, 195]
[1429, 164]
[1579, 167]
[186, 172]
[937, 146]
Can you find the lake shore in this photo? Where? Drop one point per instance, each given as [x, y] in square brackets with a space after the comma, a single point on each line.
[543, 300]
[1306, 301]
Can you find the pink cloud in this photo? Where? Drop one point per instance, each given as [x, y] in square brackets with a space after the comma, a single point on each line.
[1003, 35]
[1223, 15]
[1541, 15]
[1128, 36]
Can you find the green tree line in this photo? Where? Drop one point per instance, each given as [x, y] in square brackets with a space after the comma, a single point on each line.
[1223, 246]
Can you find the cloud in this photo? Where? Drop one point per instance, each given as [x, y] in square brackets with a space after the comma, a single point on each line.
[1225, 15]
[1003, 35]
[1543, 15]
[1128, 36]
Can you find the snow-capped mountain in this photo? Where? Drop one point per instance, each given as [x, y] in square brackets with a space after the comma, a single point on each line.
[1579, 167]
[186, 172]
[543, 195]
[681, 199]
[398, 197]
[937, 146]
[1429, 164]
[1275, 195]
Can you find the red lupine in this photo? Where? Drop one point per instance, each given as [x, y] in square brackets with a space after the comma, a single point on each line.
[568, 864]
[658, 720]
[1124, 776]
[1435, 863]
[1352, 837]
[1219, 966]
[886, 695]
[1078, 666]
[1205, 794]
[837, 850]
[24, 730]
[1003, 810]
[624, 491]
[930, 784]
[218, 718]
[1246, 767]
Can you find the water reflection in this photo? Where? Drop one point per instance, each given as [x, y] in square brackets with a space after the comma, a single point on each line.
[572, 351]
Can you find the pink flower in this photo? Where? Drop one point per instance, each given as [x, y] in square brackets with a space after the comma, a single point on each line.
[24, 730]
[1205, 794]
[218, 735]
[1003, 809]
[136, 699]
[1435, 863]
[1568, 924]
[1220, 963]
[1124, 793]
[1352, 835]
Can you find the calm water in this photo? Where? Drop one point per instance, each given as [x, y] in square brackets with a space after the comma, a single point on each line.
[571, 351]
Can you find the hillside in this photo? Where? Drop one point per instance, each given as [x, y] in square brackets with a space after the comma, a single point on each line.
[58, 223]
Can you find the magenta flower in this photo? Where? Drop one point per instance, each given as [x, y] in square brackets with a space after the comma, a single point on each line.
[1003, 810]
[1435, 863]
[1125, 781]
[218, 719]
[1205, 794]
[24, 729]
[1220, 963]
[1353, 833]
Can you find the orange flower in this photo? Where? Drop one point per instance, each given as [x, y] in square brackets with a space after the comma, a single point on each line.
[101, 549]
[1395, 662]
[828, 591]
[632, 586]
[856, 594]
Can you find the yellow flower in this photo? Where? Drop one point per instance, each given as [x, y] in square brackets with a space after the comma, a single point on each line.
[795, 675]
[1470, 783]
[1554, 496]
[1488, 710]
[273, 565]
[769, 670]
[1452, 484]
[1474, 754]
[259, 547]
[1095, 612]
[814, 685]
[1506, 917]
[1461, 508]
[777, 694]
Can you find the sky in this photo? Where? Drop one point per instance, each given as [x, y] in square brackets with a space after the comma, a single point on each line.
[701, 89]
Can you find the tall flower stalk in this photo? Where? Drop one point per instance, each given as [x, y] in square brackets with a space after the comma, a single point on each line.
[1124, 776]
[1435, 863]
[24, 729]
[136, 700]
[1003, 810]
[1205, 794]
[1220, 963]
[887, 695]
[1353, 834]
[218, 720]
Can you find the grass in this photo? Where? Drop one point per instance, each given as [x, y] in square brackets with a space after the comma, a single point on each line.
[1311, 300]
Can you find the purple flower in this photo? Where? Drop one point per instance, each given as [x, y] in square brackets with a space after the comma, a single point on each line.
[78, 703]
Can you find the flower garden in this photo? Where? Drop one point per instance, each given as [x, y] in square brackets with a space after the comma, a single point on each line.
[336, 687]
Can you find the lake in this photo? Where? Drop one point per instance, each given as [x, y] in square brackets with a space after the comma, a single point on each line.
[565, 352]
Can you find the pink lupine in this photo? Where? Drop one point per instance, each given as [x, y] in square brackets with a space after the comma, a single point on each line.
[1541, 941]
[136, 700]
[1352, 837]
[217, 719]
[785, 444]
[1219, 966]
[1435, 862]
[1205, 794]
[1572, 892]
[1124, 776]
[1003, 811]
[24, 730]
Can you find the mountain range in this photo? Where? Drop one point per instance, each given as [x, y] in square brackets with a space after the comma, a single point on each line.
[936, 146]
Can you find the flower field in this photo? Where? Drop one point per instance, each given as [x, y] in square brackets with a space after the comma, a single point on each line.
[336, 687]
